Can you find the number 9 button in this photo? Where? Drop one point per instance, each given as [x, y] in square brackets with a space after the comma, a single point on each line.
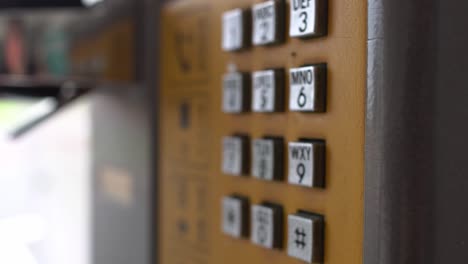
[308, 18]
[307, 163]
[308, 88]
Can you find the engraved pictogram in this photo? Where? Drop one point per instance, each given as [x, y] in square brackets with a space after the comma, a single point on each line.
[187, 59]
[182, 41]
[183, 226]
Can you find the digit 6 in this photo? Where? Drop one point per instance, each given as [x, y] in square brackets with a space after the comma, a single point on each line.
[302, 98]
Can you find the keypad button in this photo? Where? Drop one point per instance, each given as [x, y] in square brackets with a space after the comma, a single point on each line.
[307, 163]
[268, 91]
[235, 155]
[267, 158]
[308, 18]
[305, 237]
[267, 223]
[235, 210]
[236, 29]
[236, 92]
[308, 88]
[268, 22]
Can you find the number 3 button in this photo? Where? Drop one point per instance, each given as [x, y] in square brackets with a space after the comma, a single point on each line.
[308, 18]
[308, 88]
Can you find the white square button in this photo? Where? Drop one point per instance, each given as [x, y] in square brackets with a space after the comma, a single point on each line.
[235, 93]
[267, 159]
[308, 18]
[266, 225]
[234, 26]
[268, 22]
[234, 155]
[307, 88]
[305, 237]
[234, 216]
[307, 163]
[267, 91]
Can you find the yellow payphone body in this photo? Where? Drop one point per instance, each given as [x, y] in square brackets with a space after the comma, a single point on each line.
[193, 182]
[106, 54]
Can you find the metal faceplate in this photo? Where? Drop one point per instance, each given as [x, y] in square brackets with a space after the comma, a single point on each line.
[192, 181]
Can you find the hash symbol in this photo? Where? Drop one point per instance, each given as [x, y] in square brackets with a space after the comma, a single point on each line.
[300, 238]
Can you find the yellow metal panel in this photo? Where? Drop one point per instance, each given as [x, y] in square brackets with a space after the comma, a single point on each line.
[107, 54]
[191, 183]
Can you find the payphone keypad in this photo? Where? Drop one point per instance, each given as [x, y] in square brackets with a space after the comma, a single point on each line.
[280, 101]
[305, 158]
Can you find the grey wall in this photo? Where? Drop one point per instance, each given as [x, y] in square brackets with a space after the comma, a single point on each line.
[125, 135]
[122, 148]
[416, 162]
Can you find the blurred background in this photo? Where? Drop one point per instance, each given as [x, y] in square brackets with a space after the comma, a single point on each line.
[76, 112]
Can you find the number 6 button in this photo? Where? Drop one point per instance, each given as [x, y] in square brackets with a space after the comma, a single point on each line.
[308, 18]
[308, 88]
[307, 163]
